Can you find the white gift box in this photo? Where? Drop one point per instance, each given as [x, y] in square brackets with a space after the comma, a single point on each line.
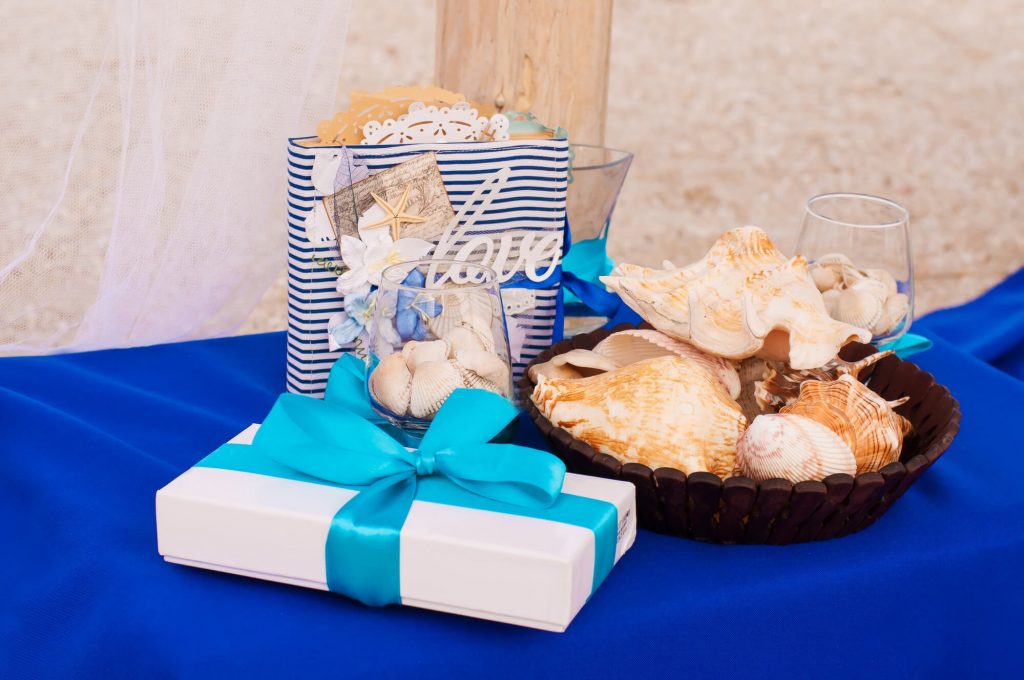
[503, 567]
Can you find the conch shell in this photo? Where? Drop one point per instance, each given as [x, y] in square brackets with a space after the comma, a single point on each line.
[792, 447]
[661, 412]
[861, 418]
[629, 346]
[576, 363]
[743, 299]
[781, 385]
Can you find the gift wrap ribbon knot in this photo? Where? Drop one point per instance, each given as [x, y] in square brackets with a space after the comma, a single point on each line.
[333, 442]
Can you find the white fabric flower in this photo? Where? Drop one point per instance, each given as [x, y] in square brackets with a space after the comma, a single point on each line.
[365, 261]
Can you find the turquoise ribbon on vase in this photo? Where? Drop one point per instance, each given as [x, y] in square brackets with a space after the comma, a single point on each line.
[907, 345]
[310, 440]
[583, 263]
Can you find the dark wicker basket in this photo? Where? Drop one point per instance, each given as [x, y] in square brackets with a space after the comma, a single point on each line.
[739, 510]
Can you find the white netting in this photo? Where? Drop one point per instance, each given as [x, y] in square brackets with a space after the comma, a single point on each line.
[143, 173]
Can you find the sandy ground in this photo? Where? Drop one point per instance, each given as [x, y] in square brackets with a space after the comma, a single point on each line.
[739, 111]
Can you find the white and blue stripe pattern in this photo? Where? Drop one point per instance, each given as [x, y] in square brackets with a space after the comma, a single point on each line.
[532, 201]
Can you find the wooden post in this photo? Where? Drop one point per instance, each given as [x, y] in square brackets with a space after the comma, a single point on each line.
[545, 56]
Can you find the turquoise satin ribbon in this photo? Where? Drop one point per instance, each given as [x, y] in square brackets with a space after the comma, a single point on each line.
[324, 442]
[907, 345]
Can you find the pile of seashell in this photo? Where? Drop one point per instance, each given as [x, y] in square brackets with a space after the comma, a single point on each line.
[419, 378]
[672, 397]
[866, 298]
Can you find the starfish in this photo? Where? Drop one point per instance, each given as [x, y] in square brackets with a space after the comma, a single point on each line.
[394, 214]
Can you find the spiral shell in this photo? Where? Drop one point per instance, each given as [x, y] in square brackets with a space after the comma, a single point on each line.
[792, 447]
[629, 346]
[861, 418]
[781, 385]
[432, 383]
[661, 412]
[391, 384]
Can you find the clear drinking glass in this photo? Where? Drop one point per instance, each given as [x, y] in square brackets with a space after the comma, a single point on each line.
[597, 177]
[858, 247]
[437, 325]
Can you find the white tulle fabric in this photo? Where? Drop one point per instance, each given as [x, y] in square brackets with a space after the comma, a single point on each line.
[143, 174]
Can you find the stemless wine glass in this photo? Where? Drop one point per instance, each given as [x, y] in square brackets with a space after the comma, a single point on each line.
[858, 247]
[597, 177]
[437, 325]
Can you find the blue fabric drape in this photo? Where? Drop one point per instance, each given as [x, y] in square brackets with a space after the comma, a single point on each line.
[931, 590]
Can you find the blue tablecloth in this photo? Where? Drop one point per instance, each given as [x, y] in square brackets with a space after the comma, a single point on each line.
[932, 589]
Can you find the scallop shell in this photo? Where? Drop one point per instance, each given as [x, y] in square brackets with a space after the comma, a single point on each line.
[825, 277]
[743, 299]
[432, 383]
[661, 412]
[861, 418]
[859, 307]
[416, 353]
[487, 366]
[792, 447]
[391, 384]
[885, 279]
[781, 384]
[576, 363]
[630, 346]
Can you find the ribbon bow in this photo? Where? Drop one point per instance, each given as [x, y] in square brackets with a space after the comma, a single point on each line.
[325, 441]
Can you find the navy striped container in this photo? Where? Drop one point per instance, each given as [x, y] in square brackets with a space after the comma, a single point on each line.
[531, 203]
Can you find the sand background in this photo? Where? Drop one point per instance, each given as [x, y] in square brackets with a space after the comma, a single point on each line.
[737, 112]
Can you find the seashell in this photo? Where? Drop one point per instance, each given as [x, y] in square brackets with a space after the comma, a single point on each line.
[831, 300]
[781, 384]
[432, 383]
[895, 311]
[825, 277]
[391, 383]
[416, 353]
[834, 259]
[743, 299]
[861, 418]
[486, 365]
[859, 307]
[661, 412]
[883, 277]
[792, 447]
[751, 373]
[630, 346]
[475, 311]
[463, 337]
[576, 363]
[876, 288]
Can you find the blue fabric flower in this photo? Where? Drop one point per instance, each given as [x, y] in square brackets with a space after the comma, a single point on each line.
[345, 327]
[413, 309]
